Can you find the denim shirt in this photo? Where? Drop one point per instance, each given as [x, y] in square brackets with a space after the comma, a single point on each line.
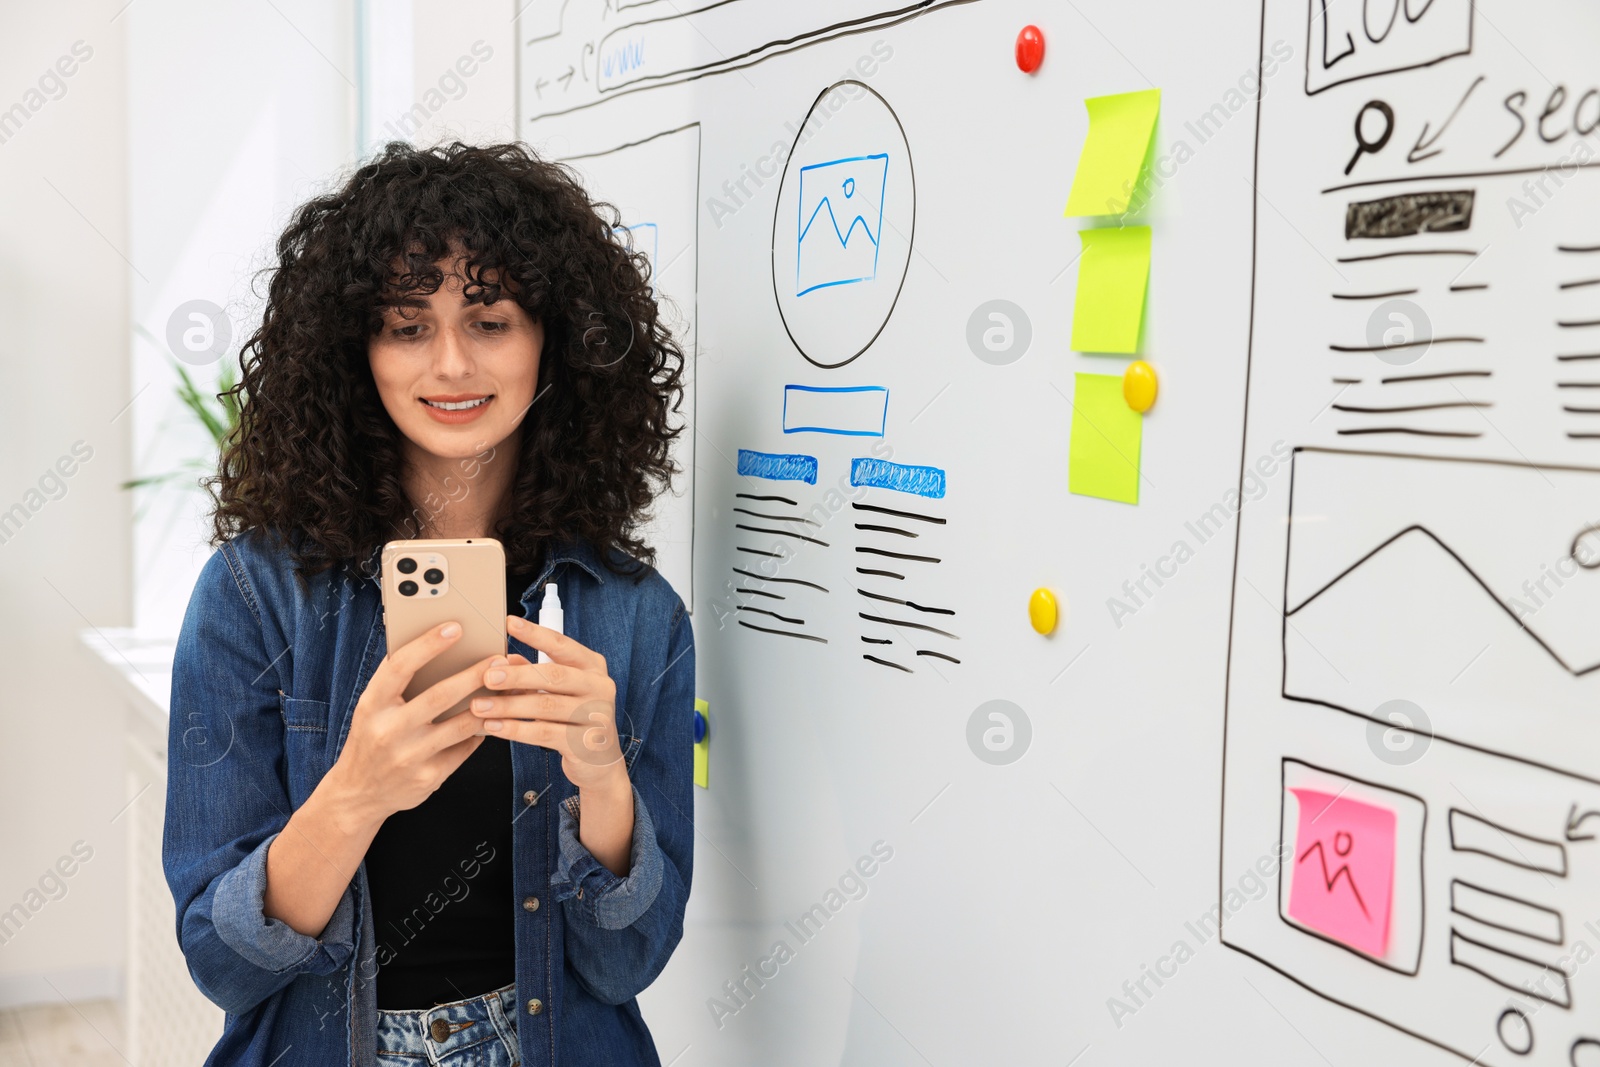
[265, 679]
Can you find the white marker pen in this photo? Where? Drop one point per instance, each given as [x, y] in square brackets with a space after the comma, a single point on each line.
[550, 615]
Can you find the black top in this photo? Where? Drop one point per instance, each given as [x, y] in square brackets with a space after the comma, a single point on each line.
[440, 877]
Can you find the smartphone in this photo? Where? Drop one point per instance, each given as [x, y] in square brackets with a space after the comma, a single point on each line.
[429, 582]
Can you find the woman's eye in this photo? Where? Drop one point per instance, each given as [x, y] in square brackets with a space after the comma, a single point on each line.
[400, 331]
[495, 326]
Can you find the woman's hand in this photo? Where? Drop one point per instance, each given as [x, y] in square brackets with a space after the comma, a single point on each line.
[574, 715]
[395, 756]
[567, 705]
[393, 759]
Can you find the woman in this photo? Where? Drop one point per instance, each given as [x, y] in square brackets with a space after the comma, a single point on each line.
[455, 344]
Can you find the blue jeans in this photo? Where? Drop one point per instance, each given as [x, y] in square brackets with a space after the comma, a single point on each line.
[479, 1031]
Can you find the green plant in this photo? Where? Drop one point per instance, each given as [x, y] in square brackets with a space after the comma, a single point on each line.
[218, 412]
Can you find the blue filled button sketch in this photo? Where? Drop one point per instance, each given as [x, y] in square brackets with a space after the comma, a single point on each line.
[841, 220]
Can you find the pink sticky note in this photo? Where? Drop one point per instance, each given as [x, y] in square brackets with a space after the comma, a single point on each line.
[1344, 870]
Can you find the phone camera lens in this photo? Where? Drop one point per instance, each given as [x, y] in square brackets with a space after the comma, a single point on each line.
[408, 588]
[406, 565]
[433, 575]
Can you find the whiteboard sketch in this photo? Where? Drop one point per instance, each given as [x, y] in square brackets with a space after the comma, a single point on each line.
[843, 228]
[832, 260]
[583, 58]
[1412, 677]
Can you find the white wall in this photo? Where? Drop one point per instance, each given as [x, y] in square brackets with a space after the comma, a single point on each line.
[64, 292]
[451, 39]
[161, 175]
[224, 142]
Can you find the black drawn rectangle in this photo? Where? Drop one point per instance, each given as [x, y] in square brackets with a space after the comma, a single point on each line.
[1346, 42]
[1408, 214]
[1469, 833]
[1406, 934]
[1308, 479]
[669, 47]
[1533, 978]
[1505, 912]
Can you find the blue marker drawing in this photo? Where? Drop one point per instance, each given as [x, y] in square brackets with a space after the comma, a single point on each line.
[842, 190]
[854, 411]
[778, 467]
[622, 58]
[901, 477]
[642, 237]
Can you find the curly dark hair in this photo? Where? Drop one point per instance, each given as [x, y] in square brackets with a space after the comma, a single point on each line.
[316, 460]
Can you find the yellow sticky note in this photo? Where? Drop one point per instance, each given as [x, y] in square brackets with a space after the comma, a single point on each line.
[1112, 276]
[702, 748]
[1104, 456]
[1120, 128]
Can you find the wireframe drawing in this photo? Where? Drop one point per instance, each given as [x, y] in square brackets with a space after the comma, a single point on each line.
[844, 224]
[841, 219]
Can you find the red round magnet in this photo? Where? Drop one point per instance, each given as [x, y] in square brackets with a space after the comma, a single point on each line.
[1030, 49]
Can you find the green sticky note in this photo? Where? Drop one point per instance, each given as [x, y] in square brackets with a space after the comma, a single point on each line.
[1104, 456]
[1120, 128]
[1112, 276]
[702, 748]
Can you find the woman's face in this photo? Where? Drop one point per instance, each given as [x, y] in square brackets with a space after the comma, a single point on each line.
[456, 378]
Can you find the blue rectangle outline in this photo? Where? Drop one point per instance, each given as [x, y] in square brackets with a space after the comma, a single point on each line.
[882, 424]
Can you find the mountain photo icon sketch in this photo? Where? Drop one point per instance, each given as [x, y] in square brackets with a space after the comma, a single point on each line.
[1344, 862]
[841, 222]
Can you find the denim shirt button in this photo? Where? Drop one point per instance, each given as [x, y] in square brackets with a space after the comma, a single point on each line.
[535, 1006]
[531, 797]
[530, 903]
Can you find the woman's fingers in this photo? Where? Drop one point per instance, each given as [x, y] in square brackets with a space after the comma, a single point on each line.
[551, 677]
[559, 647]
[453, 754]
[444, 694]
[464, 725]
[587, 742]
[549, 707]
[395, 671]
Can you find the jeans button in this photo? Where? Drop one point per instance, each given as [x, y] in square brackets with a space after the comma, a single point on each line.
[440, 1029]
[535, 1006]
[530, 903]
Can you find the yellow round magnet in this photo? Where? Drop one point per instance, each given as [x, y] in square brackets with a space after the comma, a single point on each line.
[1139, 386]
[1042, 610]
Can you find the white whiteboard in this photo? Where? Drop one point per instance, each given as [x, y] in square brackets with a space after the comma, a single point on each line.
[1064, 906]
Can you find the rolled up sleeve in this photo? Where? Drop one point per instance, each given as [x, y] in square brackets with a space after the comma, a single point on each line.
[238, 913]
[598, 895]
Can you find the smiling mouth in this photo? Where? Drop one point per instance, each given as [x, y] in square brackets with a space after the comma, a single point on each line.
[457, 405]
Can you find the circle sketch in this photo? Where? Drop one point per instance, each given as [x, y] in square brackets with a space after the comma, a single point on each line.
[842, 228]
